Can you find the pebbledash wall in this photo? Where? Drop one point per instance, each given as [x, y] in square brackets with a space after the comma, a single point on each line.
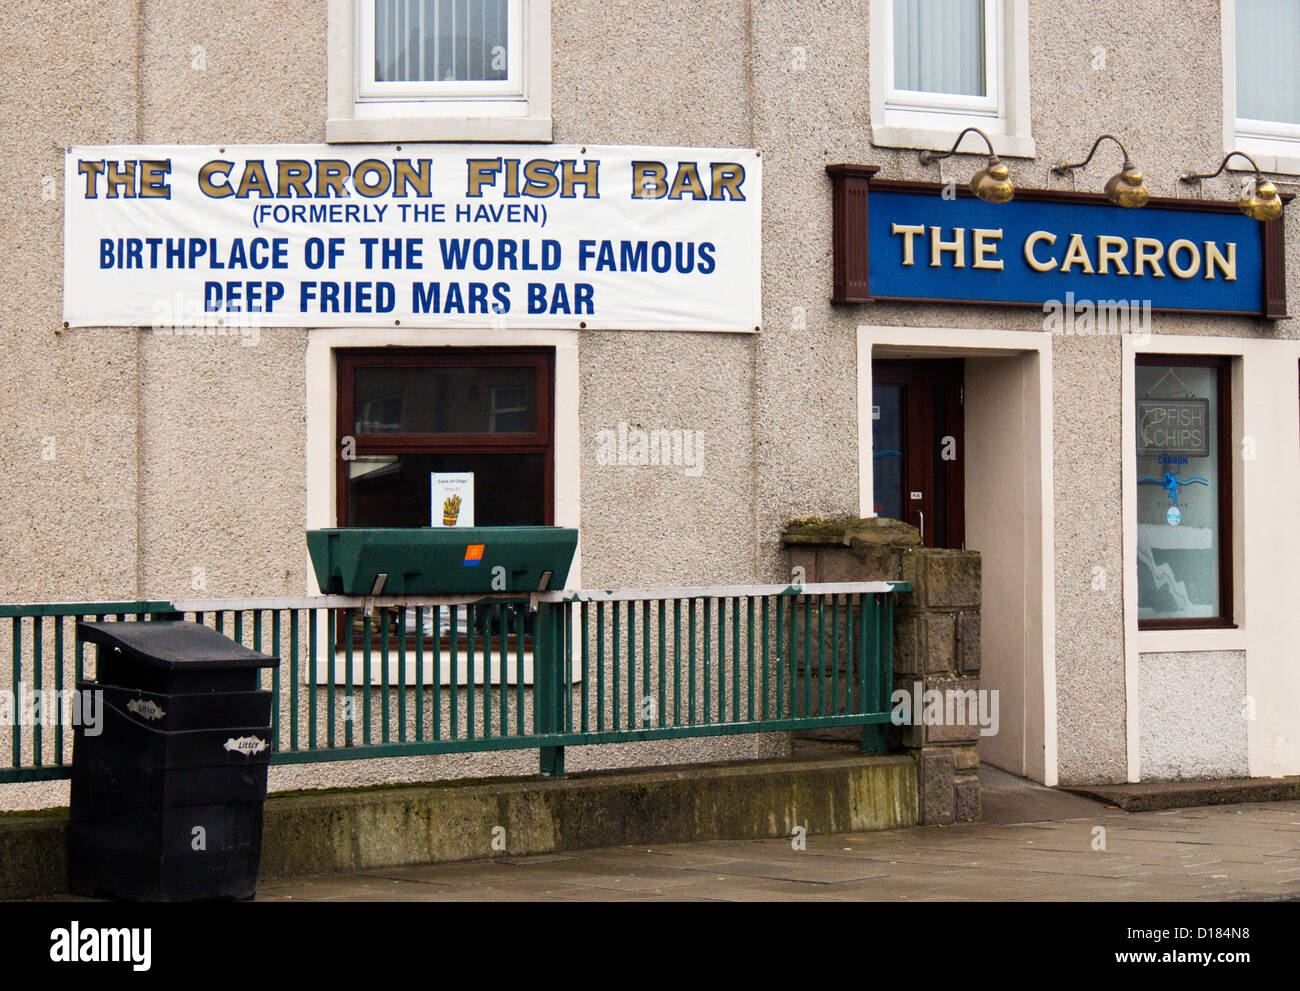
[171, 454]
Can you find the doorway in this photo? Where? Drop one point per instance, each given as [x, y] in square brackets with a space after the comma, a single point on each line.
[1004, 399]
[918, 447]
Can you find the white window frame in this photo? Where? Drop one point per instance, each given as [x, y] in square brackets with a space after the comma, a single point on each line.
[1275, 145]
[905, 101]
[909, 119]
[1265, 538]
[369, 89]
[362, 110]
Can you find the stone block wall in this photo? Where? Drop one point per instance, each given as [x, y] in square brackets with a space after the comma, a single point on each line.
[936, 644]
[937, 649]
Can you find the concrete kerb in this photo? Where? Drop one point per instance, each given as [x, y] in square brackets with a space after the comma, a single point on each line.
[1158, 796]
[355, 829]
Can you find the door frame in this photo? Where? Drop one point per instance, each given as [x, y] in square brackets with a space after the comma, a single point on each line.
[1031, 611]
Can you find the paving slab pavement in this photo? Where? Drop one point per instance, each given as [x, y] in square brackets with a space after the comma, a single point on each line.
[1036, 844]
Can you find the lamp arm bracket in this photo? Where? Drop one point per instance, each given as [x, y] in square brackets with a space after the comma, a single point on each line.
[930, 157]
[1219, 171]
[1061, 168]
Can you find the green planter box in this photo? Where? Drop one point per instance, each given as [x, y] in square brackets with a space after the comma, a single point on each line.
[442, 560]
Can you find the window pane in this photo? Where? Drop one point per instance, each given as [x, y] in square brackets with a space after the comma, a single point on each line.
[939, 46]
[887, 449]
[498, 399]
[1178, 493]
[1268, 71]
[427, 40]
[396, 491]
[943, 401]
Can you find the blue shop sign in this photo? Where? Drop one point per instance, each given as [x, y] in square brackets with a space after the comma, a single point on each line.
[1046, 246]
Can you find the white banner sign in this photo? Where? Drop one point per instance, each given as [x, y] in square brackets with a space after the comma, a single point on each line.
[543, 236]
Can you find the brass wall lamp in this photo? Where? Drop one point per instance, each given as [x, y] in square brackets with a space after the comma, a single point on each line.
[992, 183]
[1127, 187]
[1262, 204]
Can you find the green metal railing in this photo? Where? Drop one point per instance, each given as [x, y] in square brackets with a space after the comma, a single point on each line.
[403, 676]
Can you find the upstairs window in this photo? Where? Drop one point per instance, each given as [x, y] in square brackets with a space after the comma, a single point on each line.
[440, 49]
[1262, 80]
[939, 66]
[439, 70]
[945, 56]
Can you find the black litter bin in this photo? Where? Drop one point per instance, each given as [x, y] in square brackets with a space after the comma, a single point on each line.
[167, 797]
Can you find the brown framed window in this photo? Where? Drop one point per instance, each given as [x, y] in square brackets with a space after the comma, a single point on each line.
[1184, 491]
[406, 413]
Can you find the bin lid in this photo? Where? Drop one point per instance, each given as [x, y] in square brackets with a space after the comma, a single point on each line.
[169, 645]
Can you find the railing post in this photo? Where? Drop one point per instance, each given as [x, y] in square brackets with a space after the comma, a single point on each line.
[873, 739]
[879, 673]
[547, 658]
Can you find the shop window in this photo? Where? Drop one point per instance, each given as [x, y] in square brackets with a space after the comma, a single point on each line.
[1262, 81]
[413, 413]
[439, 70]
[946, 65]
[1184, 492]
[407, 414]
